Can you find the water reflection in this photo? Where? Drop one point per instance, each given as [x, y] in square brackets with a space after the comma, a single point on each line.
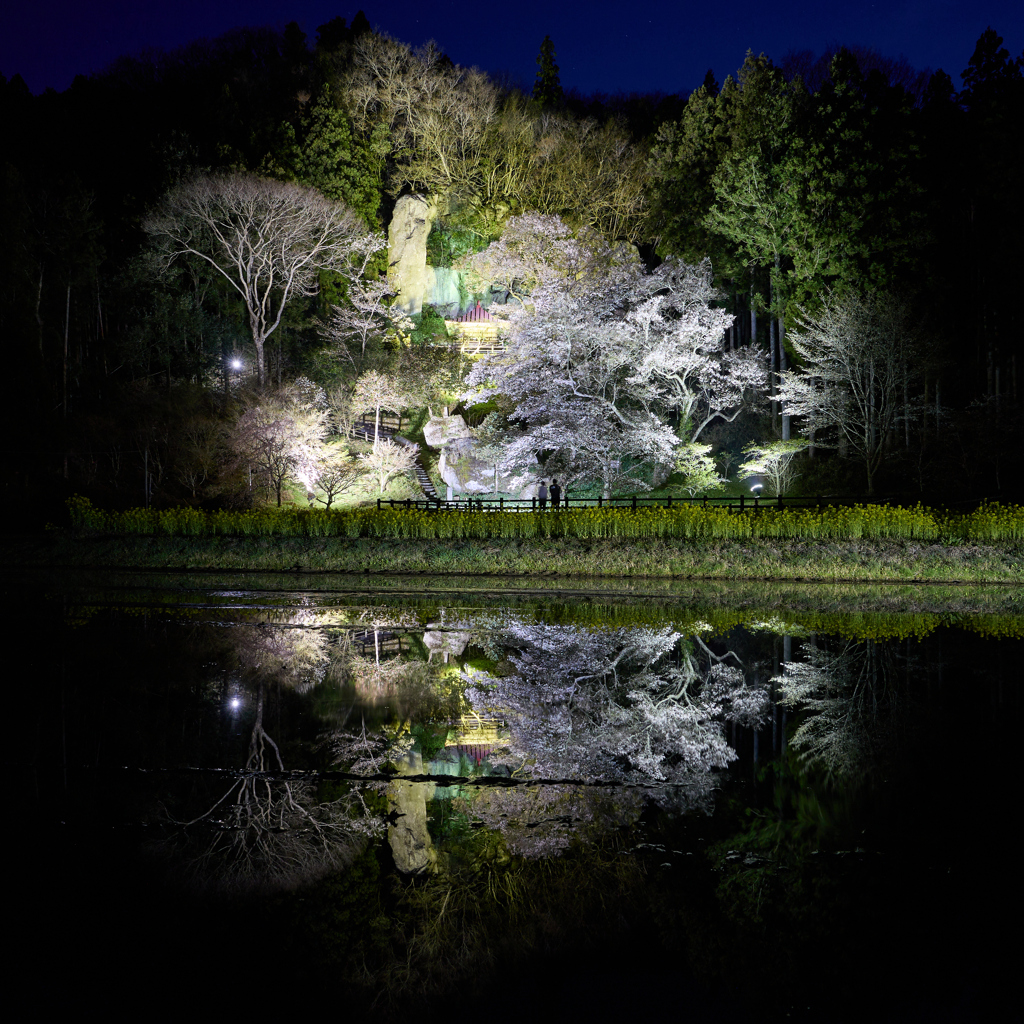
[853, 698]
[625, 704]
[266, 834]
[433, 788]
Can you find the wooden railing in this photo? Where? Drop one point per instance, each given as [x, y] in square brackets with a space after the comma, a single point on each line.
[740, 503]
[363, 427]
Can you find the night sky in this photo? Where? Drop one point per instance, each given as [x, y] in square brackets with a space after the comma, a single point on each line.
[655, 46]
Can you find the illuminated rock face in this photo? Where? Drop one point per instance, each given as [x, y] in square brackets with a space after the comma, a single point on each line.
[462, 470]
[467, 474]
[443, 430]
[407, 251]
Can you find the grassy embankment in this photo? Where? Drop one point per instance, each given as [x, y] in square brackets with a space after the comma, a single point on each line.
[857, 543]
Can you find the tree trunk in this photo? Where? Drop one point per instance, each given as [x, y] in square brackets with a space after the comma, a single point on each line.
[753, 315]
[783, 365]
[39, 309]
[67, 329]
[906, 408]
[258, 340]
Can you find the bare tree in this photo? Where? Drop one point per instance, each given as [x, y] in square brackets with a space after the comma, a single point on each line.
[268, 239]
[336, 473]
[435, 112]
[200, 451]
[858, 355]
[375, 391]
[453, 135]
[266, 835]
[367, 315]
[388, 459]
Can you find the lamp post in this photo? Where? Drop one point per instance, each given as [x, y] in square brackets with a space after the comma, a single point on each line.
[232, 365]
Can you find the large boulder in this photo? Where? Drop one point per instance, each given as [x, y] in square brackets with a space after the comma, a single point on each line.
[407, 251]
[443, 430]
[449, 643]
[462, 469]
[465, 472]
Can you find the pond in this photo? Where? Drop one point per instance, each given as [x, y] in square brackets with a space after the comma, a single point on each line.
[412, 793]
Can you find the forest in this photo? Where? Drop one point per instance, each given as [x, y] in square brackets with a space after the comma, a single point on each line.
[802, 279]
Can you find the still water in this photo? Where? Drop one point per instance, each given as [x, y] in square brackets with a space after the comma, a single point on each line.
[432, 794]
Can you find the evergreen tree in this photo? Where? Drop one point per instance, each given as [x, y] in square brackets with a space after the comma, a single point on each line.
[683, 161]
[992, 211]
[547, 89]
[332, 161]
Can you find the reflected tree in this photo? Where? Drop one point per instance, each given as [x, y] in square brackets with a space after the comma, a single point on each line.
[268, 834]
[851, 701]
[543, 821]
[631, 704]
[293, 655]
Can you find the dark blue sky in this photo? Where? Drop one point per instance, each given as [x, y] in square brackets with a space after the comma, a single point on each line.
[656, 45]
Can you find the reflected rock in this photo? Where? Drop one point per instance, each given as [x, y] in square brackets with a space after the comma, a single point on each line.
[408, 835]
[451, 644]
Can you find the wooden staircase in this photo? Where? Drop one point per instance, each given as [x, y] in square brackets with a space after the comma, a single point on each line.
[363, 431]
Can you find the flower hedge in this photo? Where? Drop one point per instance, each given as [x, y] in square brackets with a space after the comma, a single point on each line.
[991, 522]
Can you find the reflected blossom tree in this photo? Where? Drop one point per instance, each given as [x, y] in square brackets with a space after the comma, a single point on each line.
[631, 704]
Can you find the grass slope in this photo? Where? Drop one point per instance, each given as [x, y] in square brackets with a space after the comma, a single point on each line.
[754, 559]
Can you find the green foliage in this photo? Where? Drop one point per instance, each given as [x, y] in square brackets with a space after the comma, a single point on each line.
[449, 244]
[430, 327]
[323, 153]
[683, 160]
[431, 738]
[773, 461]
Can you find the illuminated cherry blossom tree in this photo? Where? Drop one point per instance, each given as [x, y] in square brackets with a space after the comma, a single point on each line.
[602, 356]
[277, 438]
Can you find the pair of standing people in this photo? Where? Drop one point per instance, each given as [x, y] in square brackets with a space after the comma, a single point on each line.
[555, 492]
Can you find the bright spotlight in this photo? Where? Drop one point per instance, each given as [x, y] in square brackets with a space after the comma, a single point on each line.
[236, 364]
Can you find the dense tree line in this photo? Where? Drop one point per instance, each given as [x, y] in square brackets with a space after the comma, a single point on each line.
[802, 182]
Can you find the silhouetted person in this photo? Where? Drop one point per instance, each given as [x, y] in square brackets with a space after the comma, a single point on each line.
[556, 493]
[542, 494]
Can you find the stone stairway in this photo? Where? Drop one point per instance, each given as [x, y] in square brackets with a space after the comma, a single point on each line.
[420, 471]
[423, 479]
